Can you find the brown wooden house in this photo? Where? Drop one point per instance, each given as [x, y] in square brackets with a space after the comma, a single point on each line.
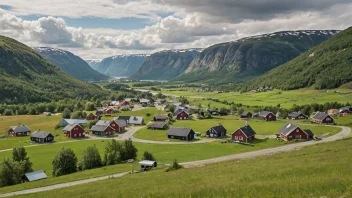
[345, 111]
[74, 131]
[244, 134]
[323, 118]
[267, 116]
[91, 117]
[21, 130]
[290, 132]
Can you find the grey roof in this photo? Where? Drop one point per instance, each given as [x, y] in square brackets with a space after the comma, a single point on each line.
[161, 116]
[288, 128]
[179, 131]
[157, 125]
[126, 118]
[99, 128]
[248, 131]
[147, 162]
[40, 134]
[121, 123]
[144, 100]
[20, 129]
[296, 114]
[76, 121]
[320, 116]
[179, 109]
[219, 129]
[345, 108]
[37, 175]
[245, 113]
[136, 120]
[103, 123]
[309, 132]
[264, 113]
[70, 127]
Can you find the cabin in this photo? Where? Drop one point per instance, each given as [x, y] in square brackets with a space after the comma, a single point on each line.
[181, 113]
[147, 164]
[132, 120]
[21, 130]
[216, 132]
[74, 131]
[158, 125]
[108, 111]
[102, 130]
[117, 125]
[290, 132]
[297, 116]
[65, 122]
[244, 134]
[34, 176]
[323, 118]
[161, 118]
[267, 116]
[91, 117]
[181, 133]
[42, 137]
[344, 111]
[246, 115]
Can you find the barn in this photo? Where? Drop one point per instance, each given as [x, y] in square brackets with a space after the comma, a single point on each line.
[216, 132]
[323, 118]
[74, 131]
[42, 137]
[181, 133]
[21, 130]
[290, 132]
[267, 116]
[244, 134]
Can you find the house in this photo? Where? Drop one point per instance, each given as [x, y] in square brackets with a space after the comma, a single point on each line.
[21, 130]
[181, 133]
[244, 134]
[344, 111]
[147, 164]
[102, 130]
[158, 125]
[114, 103]
[333, 111]
[255, 115]
[34, 176]
[161, 118]
[216, 132]
[144, 102]
[290, 132]
[323, 118]
[117, 125]
[246, 115]
[132, 120]
[181, 113]
[124, 104]
[297, 116]
[108, 111]
[267, 116]
[41, 137]
[65, 122]
[91, 117]
[99, 111]
[74, 131]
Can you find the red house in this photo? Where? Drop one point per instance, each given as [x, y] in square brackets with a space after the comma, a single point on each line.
[244, 134]
[91, 117]
[108, 111]
[323, 118]
[344, 111]
[267, 116]
[181, 113]
[117, 125]
[74, 131]
[102, 130]
[124, 103]
[292, 132]
[19, 131]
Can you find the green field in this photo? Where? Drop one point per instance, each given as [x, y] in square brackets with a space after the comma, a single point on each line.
[318, 171]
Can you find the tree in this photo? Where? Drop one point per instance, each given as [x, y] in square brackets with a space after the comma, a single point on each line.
[171, 108]
[148, 156]
[240, 111]
[78, 115]
[66, 113]
[89, 106]
[64, 163]
[11, 172]
[130, 151]
[20, 155]
[112, 153]
[91, 159]
[8, 112]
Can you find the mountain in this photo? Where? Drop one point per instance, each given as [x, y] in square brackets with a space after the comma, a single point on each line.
[25, 76]
[325, 66]
[165, 65]
[70, 64]
[94, 64]
[250, 57]
[121, 65]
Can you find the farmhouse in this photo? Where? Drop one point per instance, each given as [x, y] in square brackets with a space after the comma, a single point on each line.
[323, 118]
[91, 117]
[267, 116]
[297, 116]
[216, 132]
[74, 131]
[34, 176]
[181, 113]
[65, 122]
[344, 111]
[132, 120]
[246, 115]
[161, 118]
[244, 134]
[158, 125]
[290, 132]
[21, 130]
[102, 130]
[41, 137]
[181, 133]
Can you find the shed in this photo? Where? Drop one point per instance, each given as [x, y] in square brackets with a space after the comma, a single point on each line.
[148, 164]
[42, 137]
[181, 133]
[34, 176]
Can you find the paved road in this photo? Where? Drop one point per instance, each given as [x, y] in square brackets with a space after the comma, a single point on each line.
[346, 131]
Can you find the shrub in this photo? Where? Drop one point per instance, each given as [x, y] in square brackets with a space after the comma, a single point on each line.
[174, 166]
[148, 156]
[147, 114]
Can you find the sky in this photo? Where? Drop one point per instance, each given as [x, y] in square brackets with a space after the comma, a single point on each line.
[96, 29]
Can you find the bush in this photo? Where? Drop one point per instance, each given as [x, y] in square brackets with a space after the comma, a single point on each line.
[174, 166]
[8, 112]
[147, 114]
[148, 156]
[64, 163]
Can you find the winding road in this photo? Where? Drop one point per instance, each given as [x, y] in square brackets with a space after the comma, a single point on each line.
[345, 132]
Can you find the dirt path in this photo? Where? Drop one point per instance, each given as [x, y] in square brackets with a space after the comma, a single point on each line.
[346, 131]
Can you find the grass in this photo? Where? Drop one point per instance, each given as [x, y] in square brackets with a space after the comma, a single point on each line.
[318, 171]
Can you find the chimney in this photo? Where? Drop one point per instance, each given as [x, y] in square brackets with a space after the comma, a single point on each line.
[246, 123]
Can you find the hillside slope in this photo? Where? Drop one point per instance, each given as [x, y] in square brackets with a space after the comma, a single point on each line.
[70, 64]
[250, 57]
[326, 66]
[94, 64]
[27, 77]
[165, 65]
[121, 65]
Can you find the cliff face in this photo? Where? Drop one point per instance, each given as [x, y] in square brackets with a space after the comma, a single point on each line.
[247, 58]
[165, 65]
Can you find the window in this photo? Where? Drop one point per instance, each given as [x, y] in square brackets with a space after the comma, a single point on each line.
[290, 137]
[298, 137]
[241, 138]
[236, 137]
[328, 119]
[297, 130]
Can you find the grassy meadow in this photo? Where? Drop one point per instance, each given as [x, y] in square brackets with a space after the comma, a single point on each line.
[266, 176]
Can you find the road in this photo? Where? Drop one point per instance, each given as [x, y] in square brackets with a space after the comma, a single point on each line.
[346, 131]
